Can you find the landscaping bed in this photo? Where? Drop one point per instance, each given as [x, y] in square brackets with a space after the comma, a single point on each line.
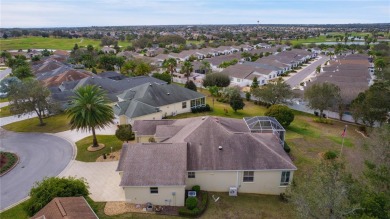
[7, 162]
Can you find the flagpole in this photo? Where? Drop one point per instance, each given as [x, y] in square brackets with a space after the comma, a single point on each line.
[342, 142]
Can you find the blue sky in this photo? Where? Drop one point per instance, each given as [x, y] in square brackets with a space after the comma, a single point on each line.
[70, 13]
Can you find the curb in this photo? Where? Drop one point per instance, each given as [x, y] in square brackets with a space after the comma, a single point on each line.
[14, 204]
[13, 166]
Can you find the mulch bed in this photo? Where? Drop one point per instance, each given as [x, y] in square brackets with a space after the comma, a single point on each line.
[169, 210]
[7, 162]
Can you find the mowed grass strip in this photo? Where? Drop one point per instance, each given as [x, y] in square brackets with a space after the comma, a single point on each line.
[4, 112]
[108, 140]
[53, 124]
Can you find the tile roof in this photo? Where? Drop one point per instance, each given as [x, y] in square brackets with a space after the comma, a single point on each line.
[66, 208]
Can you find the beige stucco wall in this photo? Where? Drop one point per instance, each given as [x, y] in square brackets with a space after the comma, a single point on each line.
[142, 195]
[265, 182]
[143, 139]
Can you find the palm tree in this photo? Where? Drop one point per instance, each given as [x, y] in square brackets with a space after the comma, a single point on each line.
[187, 69]
[170, 64]
[89, 110]
[205, 66]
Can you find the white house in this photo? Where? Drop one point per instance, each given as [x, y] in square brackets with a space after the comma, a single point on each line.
[155, 101]
[213, 152]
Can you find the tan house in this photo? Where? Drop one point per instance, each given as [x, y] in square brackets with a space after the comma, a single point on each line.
[155, 101]
[219, 154]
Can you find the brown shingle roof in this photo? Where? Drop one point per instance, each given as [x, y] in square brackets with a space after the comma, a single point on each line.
[154, 164]
[66, 208]
[242, 150]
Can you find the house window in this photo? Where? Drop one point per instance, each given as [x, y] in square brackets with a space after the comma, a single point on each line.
[153, 190]
[191, 174]
[285, 178]
[248, 176]
[184, 105]
[203, 101]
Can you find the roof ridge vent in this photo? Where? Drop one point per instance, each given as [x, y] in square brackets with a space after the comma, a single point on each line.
[60, 207]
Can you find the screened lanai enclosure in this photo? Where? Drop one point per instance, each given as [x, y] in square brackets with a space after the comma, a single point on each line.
[265, 124]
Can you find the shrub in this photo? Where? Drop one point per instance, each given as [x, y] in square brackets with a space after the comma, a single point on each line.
[322, 120]
[11, 161]
[190, 85]
[199, 109]
[197, 211]
[247, 96]
[191, 202]
[196, 188]
[124, 133]
[183, 211]
[286, 148]
[164, 77]
[44, 191]
[282, 113]
[330, 155]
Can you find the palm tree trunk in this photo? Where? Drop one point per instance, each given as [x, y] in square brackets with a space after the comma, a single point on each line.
[95, 142]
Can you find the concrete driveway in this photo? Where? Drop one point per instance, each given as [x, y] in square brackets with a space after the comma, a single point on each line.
[102, 179]
[41, 155]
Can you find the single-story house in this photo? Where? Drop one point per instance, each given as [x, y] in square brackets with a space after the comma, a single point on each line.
[213, 152]
[155, 101]
[66, 208]
[243, 74]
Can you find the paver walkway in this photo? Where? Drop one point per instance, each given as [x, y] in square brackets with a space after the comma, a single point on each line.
[102, 178]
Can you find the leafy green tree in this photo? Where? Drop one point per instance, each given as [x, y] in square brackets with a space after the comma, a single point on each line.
[75, 47]
[164, 77]
[216, 79]
[22, 72]
[5, 55]
[142, 68]
[30, 96]
[255, 83]
[375, 198]
[90, 48]
[190, 85]
[236, 102]
[89, 110]
[46, 52]
[380, 63]
[47, 189]
[124, 133]
[323, 192]
[6, 84]
[322, 96]
[128, 67]
[372, 105]
[277, 93]
[282, 113]
[318, 69]
[186, 69]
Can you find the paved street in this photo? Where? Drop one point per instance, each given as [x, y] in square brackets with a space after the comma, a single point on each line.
[304, 73]
[4, 73]
[41, 155]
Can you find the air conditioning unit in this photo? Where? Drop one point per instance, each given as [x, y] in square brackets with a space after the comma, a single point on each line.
[233, 191]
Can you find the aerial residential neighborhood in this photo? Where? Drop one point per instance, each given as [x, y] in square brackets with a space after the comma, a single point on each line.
[183, 109]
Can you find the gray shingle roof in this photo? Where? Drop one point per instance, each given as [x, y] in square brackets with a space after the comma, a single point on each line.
[242, 149]
[151, 96]
[155, 164]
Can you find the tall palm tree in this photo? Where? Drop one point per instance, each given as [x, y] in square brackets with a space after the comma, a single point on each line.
[170, 64]
[90, 110]
[187, 68]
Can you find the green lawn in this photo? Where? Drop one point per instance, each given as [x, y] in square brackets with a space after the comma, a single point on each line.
[4, 112]
[15, 212]
[2, 100]
[108, 140]
[49, 43]
[242, 206]
[57, 123]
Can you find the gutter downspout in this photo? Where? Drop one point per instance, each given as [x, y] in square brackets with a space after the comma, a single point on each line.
[237, 181]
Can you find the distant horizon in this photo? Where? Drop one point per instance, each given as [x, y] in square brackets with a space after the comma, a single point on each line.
[188, 25]
[104, 13]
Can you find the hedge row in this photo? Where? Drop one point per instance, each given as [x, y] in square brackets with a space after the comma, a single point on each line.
[199, 109]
